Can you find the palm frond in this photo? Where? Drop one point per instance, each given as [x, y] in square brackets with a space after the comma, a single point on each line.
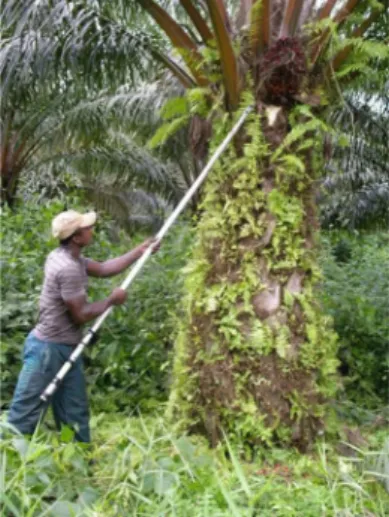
[73, 38]
[356, 34]
[355, 203]
[228, 60]
[179, 38]
[222, 9]
[120, 167]
[356, 186]
[132, 209]
[197, 20]
[260, 26]
[291, 18]
[345, 10]
[185, 79]
[74, 128]
[326, 10]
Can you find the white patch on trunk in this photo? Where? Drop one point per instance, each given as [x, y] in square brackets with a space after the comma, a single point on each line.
[272, 114]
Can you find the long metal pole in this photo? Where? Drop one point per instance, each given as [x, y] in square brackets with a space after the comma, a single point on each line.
[51, 388]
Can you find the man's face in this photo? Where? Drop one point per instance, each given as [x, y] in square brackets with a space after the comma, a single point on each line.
[84, 236]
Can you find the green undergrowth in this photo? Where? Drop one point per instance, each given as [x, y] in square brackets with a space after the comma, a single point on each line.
[128, 366]
[355, 294]
[141, 468]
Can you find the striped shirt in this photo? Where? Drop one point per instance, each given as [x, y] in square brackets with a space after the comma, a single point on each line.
[65, 278]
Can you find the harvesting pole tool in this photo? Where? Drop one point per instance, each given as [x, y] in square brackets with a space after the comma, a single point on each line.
[90, 336]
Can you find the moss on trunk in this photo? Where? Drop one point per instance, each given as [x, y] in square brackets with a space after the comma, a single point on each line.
[255, 357]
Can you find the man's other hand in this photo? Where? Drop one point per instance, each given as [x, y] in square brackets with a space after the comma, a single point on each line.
[118, 296]
[151, 242]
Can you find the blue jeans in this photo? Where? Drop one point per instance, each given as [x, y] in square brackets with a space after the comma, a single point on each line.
[41, 362]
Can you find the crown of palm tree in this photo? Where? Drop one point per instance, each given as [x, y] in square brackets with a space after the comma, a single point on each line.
[285, 44]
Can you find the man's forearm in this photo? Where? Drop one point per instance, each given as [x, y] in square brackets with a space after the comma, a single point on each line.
[117, 265]
[90, 311]
[82, 312]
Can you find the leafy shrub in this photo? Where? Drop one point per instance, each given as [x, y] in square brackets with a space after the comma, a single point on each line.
[128, 364]
[44, 476]
[355, 293]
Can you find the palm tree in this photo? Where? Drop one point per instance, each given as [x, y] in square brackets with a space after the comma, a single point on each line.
[255, 357]
[355, 191]
[53, 121]
[92, 141]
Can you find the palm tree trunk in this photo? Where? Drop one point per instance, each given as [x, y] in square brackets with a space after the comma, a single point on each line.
[254, 356]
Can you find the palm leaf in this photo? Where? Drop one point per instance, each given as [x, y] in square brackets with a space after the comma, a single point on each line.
[223, 13]
[325, 11]
[356, 187]
[260, 26]
[132, 209]
[345, 11]
[242, 18]
[197, 20]
[357, 33]
[185, 79]
[339, 18]
[227, 57]
[53, 42]
[291, 18]
[178, 37]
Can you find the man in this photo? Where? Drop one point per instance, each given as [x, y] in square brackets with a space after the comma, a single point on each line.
[63, 309]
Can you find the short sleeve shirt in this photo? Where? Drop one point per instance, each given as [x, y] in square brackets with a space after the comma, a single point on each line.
[65, 278]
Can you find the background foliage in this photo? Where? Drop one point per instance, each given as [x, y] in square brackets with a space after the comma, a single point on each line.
[355, 293]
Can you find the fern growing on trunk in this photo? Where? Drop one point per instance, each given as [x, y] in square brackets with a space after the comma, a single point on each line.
[255, 357]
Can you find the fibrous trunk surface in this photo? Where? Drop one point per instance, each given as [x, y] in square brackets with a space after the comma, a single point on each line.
[255, 357]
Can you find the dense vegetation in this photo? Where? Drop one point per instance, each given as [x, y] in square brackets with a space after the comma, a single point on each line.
[143, 469]
[129, 366]
[251, 331]
[141, 466]
[355, 293]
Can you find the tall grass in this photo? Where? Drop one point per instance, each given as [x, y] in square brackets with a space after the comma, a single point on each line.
[141, 468]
